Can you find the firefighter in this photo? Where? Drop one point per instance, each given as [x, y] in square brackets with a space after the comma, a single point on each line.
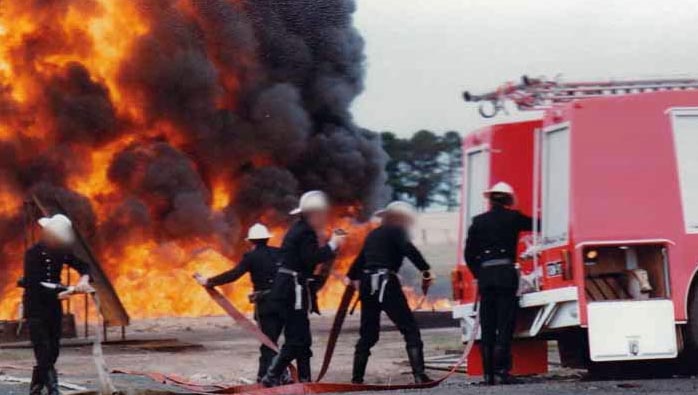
[490, 252]
[261, 263]
[292, 290]
[43, 264]
[374, 273]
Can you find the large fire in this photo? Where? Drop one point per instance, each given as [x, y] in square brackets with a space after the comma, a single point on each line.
[166, 128]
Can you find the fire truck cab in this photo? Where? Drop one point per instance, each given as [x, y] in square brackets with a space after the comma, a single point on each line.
[611, 171]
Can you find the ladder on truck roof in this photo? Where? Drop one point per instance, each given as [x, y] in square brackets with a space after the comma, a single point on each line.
[539, 93]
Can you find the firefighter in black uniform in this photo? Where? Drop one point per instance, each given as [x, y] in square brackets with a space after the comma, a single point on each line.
[374, 273]
[292, 292]
[262, 263]
[43, 264]
[490, 252]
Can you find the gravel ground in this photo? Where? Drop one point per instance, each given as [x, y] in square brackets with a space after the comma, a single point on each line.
[565, 387]
[226, 355]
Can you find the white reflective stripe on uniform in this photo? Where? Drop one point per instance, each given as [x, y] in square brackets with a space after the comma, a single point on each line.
[298, 294]
[375, 279]
[384, 283]
[379, 281]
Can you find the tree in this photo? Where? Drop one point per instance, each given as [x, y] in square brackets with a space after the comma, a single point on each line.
[425, 173]
[424, 168]
[452, 164]
[396, 149]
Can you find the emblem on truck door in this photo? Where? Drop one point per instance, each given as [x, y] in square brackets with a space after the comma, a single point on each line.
[633, 347]
[554, 269]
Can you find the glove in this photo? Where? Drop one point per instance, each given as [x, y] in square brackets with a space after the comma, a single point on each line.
[203, 281]
[337, 240]
[83, 286]
[427, 280]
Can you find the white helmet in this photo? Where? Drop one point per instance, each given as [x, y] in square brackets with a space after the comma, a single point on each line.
[59, 226]
[258, 232]
[398, 207]
[312, 201]
[500, 187]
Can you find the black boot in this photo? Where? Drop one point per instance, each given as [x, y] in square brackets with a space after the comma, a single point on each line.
[304, 370]
[37, 384]
[416, 356]
[487, 365]
[502, 366]
[286, 377]
[503, 377]
[52, 382]
[276, 369]
[360, 362]
[265, 360]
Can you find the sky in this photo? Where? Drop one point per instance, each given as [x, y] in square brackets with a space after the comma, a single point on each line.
[422, 54]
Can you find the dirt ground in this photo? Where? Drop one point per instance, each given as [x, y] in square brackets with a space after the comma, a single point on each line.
[218, 351]
[214, 350]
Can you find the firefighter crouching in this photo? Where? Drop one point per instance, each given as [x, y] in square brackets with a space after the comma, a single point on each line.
[490, 252]
[43, 264]
[261, 263]
[374, 273]
[291, 293]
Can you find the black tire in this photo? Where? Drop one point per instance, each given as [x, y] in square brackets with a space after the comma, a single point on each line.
[688, 359]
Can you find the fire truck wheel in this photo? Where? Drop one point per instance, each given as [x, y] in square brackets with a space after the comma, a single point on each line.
[689, 355]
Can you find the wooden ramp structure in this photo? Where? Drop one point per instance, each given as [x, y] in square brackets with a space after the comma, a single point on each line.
[111, 308]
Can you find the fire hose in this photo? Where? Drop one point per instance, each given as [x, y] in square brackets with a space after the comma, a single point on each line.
[242, 320]
[304, 388]
[106, 386]
[339, 318]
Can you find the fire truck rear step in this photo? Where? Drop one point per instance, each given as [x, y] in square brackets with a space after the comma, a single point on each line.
[550, 309]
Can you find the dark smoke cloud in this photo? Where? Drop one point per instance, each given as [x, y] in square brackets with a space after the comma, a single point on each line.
[314, 46]
[80, 107]
[348, 163]
[130, 220]
[297, 65]
[254, 92]
[264, 189]
[168, 180]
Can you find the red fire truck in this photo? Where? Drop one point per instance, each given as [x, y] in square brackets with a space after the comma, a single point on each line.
[611, 170]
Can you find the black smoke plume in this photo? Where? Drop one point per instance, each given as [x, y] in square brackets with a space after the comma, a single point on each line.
[255, 94]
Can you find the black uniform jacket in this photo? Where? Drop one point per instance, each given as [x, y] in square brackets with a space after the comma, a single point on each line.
[494, 235]
[300, 253]
[262, 263]
[44, 265]
[386, 247]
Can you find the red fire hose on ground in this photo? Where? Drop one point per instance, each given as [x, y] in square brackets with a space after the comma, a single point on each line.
[299, 388]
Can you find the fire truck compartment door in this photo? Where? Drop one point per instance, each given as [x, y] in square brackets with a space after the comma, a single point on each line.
[631, 330]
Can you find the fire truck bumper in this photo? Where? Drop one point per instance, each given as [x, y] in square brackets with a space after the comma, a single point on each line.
[548, 310]
[626, 330]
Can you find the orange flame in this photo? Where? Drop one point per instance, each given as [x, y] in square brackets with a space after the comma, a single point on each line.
[36, 43]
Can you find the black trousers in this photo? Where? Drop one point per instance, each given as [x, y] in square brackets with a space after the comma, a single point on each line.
[271, 324]
[297, 336]
[498, 304]
[395, 306]
[45, 320]
[298, 339]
